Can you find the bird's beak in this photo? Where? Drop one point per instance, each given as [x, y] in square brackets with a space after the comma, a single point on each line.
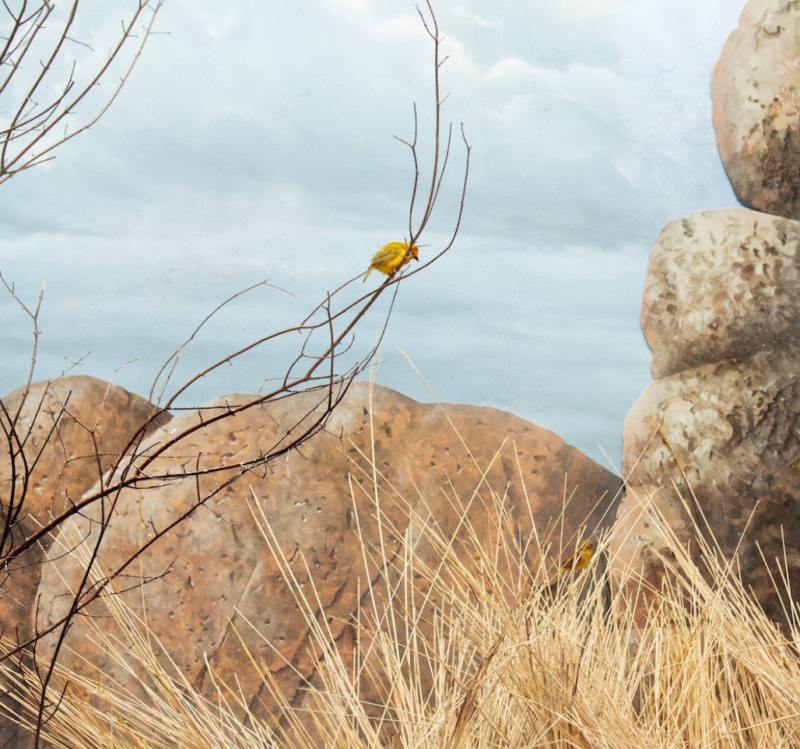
[416, 257]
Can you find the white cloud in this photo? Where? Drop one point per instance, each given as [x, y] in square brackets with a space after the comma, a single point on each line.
[577, 82]
[477, 19]
[591, 9]
[398, 27]
[384, 28]
[263, 148]
[215, 20]
[360, 7]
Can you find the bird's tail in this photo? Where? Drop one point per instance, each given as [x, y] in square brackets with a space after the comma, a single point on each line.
[366, 275]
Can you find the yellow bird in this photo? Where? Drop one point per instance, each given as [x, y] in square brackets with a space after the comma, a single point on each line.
[580, 558]
[392, 256]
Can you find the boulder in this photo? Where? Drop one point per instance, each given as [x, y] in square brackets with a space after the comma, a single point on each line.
[84, 423]
[721, 285]
[73, 429]
[756, 104]
[715, 438]
[221, 584]
[76, 427]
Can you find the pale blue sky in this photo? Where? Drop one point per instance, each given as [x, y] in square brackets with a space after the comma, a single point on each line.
[256, 142]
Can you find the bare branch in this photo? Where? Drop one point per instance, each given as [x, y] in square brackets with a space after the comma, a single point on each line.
[324, 361]
[30, 135]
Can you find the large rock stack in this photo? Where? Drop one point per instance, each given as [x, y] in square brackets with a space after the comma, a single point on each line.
[721, 315]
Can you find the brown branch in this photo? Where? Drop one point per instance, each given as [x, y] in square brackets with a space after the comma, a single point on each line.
[325, 363]
[34, 127]
[35, 319]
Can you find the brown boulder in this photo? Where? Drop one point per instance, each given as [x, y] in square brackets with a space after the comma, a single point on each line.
[756, 101]
[83, 424]
[77, 427]
[91, 422]
[730, 429]
[221, 571]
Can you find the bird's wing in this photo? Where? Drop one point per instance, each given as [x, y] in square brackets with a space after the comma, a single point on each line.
[389, 252]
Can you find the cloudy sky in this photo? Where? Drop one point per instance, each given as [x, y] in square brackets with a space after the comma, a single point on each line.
[254, 140]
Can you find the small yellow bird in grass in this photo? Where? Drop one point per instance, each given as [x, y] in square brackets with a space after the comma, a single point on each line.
[392, 256]
[579, 558]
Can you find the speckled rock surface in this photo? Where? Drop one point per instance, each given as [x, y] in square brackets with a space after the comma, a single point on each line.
[756, 104]
[734, 432]
[68, 410]
[721, 314]
[69, 465]
[721, 285]
[221, 571]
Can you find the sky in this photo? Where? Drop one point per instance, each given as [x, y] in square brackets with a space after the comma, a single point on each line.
[255, 141]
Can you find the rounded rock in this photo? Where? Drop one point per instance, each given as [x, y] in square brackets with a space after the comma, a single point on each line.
[721, 285]
[756, 104]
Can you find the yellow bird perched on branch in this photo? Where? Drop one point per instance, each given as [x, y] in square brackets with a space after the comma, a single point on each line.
[580, 558]
[392, 256]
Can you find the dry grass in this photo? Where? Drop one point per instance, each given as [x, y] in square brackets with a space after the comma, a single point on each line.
[460, 650]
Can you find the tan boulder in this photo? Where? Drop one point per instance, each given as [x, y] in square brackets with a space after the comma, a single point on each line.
[756, 104]
[220, 571]
[730, 429]
[715, 437]
[641, 540]
[721, 285]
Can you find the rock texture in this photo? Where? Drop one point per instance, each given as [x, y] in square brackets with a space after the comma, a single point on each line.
[85, 424]
[756, 99]
[76, 427]
[91, 422]
[220, 571]
[721, 285]
[721, 316]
